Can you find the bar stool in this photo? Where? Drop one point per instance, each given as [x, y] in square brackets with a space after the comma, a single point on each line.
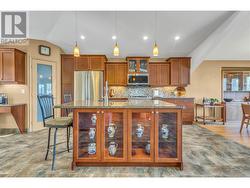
[46, 104]
[246, 115]
[68, 98]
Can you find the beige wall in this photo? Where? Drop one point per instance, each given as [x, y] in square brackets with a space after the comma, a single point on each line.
[206, 79]
[22, 93]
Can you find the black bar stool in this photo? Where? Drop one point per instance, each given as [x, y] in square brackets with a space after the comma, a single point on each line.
[46, 104]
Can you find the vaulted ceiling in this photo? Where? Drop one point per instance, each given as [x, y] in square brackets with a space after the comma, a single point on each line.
[98, 27]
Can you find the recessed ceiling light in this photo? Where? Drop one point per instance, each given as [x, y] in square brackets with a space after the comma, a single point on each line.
[113, 37]
[82, 37]
[145, 37]
[177, 37]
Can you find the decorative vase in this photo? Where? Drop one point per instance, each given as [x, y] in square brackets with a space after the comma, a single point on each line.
[112, 148]
[93, 119]
[164, 131]
[91, 133]
[111, 130]
[92, 148]
[139, 130]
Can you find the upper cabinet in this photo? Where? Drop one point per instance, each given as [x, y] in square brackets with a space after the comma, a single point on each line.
[159, 74]
[116, 73]
[90, 62]
[12, 66]
[179, 71]
[137, 64]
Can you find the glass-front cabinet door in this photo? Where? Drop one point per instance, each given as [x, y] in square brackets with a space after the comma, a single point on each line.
[132, 66]
[167, 142]
[114, 135]
[143, 66]
[88, 134]
[141, 135]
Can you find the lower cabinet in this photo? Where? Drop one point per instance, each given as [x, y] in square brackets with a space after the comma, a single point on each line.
[141, 135]
[127, 137]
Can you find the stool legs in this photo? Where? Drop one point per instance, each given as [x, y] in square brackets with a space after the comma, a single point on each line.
[46, 157]
[54, 150]
[68, 132]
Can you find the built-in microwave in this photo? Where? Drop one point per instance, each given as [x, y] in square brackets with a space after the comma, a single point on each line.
[138, 79]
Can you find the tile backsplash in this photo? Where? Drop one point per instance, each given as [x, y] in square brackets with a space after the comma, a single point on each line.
[124, 92]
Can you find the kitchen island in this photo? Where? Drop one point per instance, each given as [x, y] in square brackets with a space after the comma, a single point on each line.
[126, 133]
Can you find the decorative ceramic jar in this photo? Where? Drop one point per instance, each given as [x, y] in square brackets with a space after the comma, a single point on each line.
[91, 133]
[112, 148]
[93, 119]
[147, 148]
[111, 130]
[139, 130]
[164, 131]
[92, 148]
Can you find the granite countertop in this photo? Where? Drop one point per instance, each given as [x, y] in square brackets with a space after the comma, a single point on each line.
[119, 104]
[173, 97]
[11, 104]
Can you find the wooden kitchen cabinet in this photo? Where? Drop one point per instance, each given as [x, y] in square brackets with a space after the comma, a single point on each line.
[141, 135]
[168, 137]
[188, 111]
[179, 71]
[159, 74]
[124, 136]
[12, 66]
[114, 135]
[100, 135]
[137, 64]
[87, 135]
[90, 62]
[116, 74]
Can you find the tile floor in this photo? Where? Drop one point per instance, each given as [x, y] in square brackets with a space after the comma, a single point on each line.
[204, 153]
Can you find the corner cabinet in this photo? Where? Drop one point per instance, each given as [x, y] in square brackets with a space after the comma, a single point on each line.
[12, 66]
[118, 137]
[179, 71]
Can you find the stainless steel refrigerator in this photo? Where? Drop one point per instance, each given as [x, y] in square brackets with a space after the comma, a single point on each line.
[88, 85]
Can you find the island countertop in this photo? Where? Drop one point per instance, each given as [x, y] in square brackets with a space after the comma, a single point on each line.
[118, 104]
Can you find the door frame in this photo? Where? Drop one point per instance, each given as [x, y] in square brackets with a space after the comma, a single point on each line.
[34, 125]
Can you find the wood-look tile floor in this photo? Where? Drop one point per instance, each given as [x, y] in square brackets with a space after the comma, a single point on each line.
[204, 154]
[231, 130]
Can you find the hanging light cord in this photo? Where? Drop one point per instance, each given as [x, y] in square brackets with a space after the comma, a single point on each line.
[76, 27]
[155, 25]
[116, 25]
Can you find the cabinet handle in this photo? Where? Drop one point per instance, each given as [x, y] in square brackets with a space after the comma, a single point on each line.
[102, 112]
[98, 112]
[152, 112]
[157, 112]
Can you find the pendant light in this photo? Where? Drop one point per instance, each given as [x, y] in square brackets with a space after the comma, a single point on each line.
[155, 47]
[76, 50]
[116, 51]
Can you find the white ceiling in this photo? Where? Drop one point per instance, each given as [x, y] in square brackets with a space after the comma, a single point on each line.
[98, 28]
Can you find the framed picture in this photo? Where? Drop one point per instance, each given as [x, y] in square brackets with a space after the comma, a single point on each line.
[44, 50]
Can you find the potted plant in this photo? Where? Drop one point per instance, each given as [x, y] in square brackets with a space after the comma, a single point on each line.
[213, 101]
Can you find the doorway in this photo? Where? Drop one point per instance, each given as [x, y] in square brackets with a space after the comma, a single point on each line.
[43, 83]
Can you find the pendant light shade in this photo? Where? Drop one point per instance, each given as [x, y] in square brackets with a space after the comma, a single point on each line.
[116, 50]
[76, 51]
[155, 50]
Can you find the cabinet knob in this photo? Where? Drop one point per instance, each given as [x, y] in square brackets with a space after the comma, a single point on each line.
[102, 112]
[98, 112]
[152, 112]
[157, 112]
